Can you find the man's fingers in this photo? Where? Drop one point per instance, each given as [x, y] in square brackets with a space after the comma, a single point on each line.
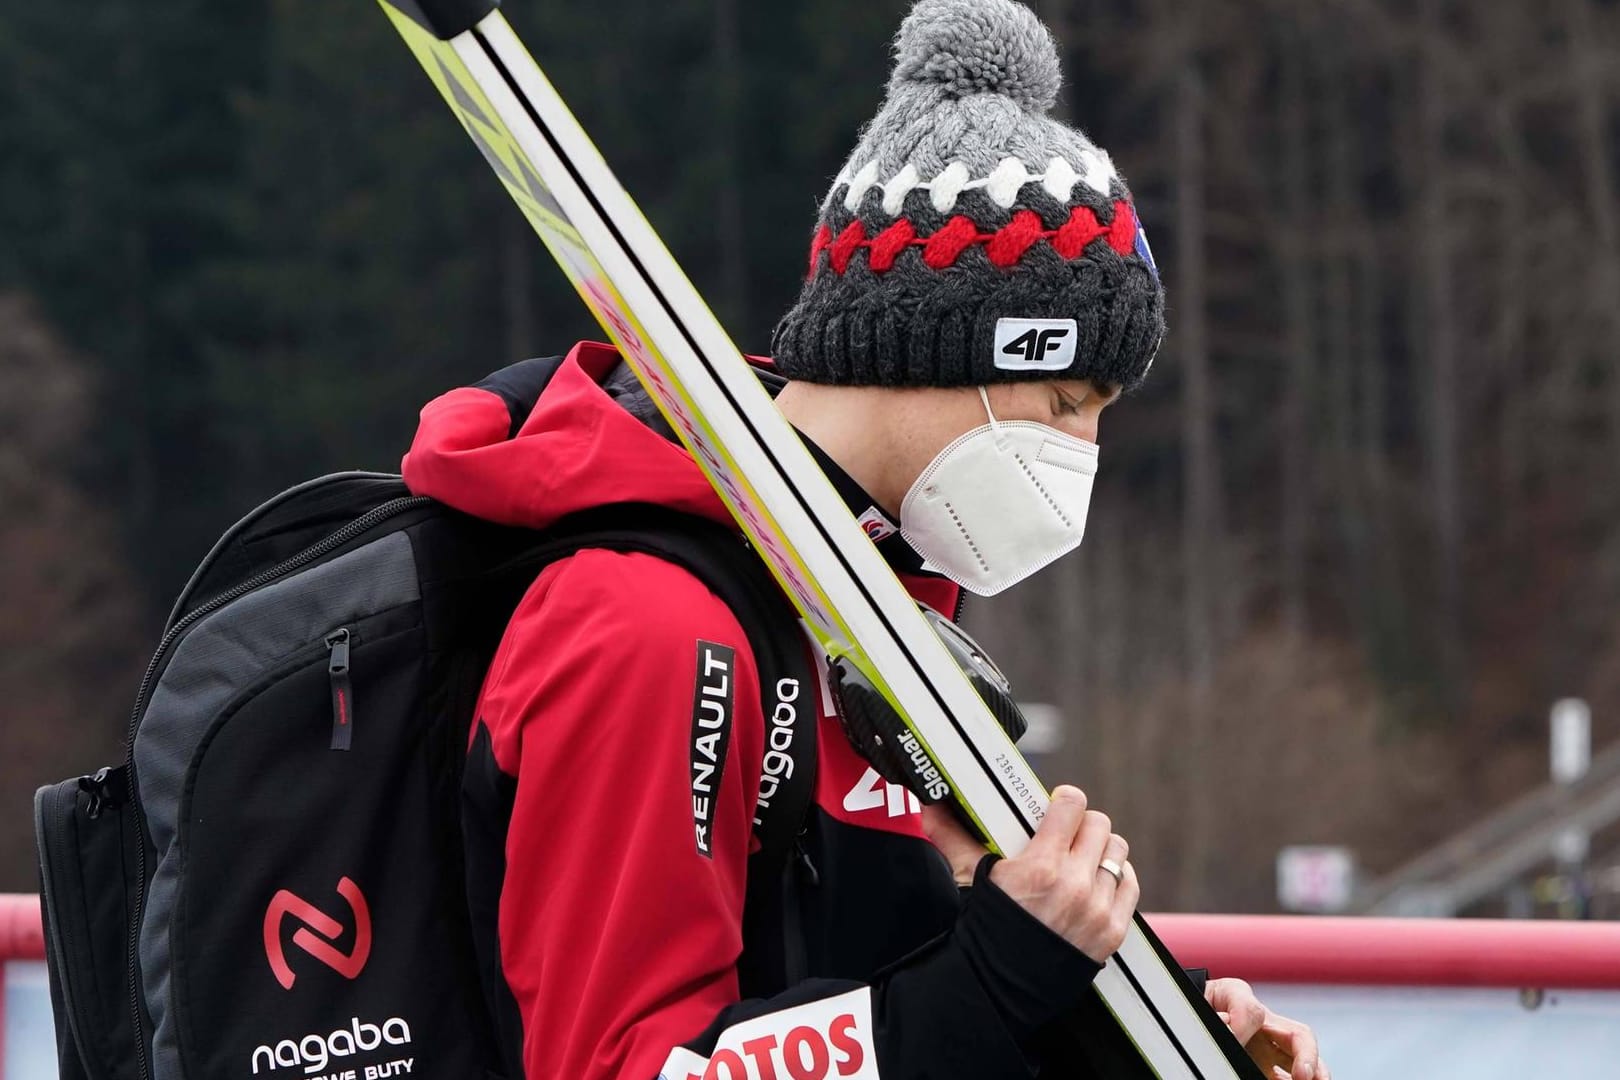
[1057, 830]
[1117, 853]
[1245, 1015]
[954, 842]
[1299, 1041]
[1126, 897]
[1096, 832]
[1269, 1056]
[1248, 1019]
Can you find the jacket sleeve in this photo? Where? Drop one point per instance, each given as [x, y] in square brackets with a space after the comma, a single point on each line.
[625, 701]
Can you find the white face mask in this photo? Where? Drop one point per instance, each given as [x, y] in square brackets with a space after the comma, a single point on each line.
[1000, 502]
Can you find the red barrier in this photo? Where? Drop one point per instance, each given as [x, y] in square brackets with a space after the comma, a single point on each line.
[1284, 948]
[21, 936]
[1524, 953]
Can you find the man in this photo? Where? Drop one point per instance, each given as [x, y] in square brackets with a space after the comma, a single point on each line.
[979, 292]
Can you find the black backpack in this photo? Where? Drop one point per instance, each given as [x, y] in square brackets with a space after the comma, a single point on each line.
[272, 884]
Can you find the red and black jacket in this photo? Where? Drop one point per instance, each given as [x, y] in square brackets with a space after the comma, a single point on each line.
[621, 945]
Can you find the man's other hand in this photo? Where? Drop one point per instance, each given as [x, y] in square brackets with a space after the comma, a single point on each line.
[1285, 1049]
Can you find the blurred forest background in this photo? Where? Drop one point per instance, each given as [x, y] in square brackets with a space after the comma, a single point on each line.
[1358, 531]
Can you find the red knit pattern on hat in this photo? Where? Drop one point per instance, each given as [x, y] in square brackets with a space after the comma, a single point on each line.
[1081, 229]
[1010, 241]
[1004, 247]
[1122, 233]
[888, 244]
[849, 241]
[944, 247]
[818, 245]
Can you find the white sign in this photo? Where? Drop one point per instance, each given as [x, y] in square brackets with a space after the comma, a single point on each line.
[1571, 740]
[827, 1039]
[1572, 845]
[1315, 878]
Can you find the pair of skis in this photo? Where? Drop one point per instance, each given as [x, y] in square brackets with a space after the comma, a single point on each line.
[790, 511]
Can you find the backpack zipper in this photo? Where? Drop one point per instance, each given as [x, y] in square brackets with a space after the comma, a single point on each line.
[55, 840]
[353, 529]
[369, 520]
[257, 514]
[337, 673]
[795, 957]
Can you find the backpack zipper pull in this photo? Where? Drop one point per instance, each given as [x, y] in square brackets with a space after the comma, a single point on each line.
[802, 856]
[337, 670]
[106, 790]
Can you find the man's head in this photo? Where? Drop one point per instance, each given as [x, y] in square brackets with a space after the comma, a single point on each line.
[976, 263]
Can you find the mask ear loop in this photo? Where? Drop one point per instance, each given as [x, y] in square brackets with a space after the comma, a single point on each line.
[995, 425]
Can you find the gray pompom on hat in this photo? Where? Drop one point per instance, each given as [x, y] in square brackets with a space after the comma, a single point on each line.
[971, 238]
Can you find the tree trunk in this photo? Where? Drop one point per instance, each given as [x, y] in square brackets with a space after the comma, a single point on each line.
[728, 218]
[517, 292]
[1109, 631]
[1301, 336]
[1589, 69]
[1440, 346]
[1512, 282]
[1347, 363]
[1201, 527]
[1074, 667]
[1373, 433]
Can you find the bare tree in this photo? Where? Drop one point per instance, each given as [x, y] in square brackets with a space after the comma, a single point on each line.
[1513, 281]
[1589, 72]
[1350, 311]
[1201, 521]
[517, 291]
[727, 73]
[1294, 175]
[70, 609]
[1440, 344]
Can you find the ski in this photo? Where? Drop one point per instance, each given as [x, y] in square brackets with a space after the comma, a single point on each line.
[840, 584]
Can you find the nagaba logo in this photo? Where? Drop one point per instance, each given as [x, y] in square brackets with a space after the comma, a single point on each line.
[318, 933]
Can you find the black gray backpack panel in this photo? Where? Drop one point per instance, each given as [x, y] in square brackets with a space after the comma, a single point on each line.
[272, 884]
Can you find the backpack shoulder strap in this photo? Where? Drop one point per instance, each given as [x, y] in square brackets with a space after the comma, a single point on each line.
[717, 556]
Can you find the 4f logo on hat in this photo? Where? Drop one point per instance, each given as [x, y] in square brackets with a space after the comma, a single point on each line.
[1035, 344]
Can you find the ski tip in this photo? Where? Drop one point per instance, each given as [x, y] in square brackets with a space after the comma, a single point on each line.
[445, 19]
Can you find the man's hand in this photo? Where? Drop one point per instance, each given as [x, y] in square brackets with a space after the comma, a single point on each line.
[1284, 1048]
[1059, 877]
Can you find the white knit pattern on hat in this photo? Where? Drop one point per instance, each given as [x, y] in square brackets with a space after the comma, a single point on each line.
[967, 108]
[1002, 184]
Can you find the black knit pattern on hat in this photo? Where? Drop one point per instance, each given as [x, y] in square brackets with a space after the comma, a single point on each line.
[912, 325]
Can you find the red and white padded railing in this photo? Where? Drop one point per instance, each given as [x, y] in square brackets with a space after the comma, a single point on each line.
[1433, 997]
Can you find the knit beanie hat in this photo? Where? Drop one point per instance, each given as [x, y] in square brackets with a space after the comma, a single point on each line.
[971, 238]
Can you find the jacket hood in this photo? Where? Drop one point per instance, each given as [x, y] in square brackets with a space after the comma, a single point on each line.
[550, 437]
[546, 438]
